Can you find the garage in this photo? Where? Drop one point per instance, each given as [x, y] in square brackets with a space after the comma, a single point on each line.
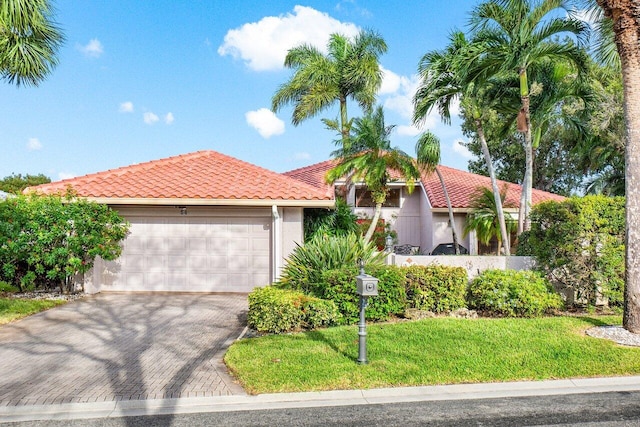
[194, 253]
[199, 222]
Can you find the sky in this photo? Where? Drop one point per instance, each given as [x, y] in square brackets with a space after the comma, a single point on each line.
[144, 80]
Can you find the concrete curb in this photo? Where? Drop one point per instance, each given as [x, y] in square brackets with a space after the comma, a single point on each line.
[69, 411]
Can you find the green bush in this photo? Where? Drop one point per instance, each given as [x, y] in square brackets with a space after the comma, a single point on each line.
[578, 244]
[279, 310]
[304, 267]
[339, 286]
[435, 288]
[7, 288]
[512, 293]
[339, 221]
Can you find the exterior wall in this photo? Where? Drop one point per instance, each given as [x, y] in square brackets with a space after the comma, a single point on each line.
[473, 264]
[441, 231]
[292, 233]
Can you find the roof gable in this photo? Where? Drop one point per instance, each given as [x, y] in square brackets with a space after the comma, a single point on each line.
[203, 175]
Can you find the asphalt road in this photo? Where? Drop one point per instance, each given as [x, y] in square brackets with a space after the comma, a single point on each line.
[595, 409]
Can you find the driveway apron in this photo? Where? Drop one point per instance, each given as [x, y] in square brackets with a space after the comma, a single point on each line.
[110, 347]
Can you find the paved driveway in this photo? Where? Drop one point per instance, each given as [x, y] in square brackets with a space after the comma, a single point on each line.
[121, 347]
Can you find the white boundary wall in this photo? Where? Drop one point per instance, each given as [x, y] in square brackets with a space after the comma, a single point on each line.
[474, 264]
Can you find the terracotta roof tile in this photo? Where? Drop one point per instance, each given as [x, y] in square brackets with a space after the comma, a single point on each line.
[460, 185]
[199, 175]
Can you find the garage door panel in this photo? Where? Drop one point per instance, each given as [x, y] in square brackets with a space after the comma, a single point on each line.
[184, 253]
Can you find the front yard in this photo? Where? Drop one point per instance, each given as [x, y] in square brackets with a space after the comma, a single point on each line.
[16, 308]
[429, 352]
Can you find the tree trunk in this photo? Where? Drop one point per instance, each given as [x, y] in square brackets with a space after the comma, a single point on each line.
[374, 222]
[454, 235]
[524, 220]
[626, 21]
[496, 191]
[344, 127]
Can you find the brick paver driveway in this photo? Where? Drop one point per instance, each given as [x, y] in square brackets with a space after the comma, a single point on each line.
[121, 347]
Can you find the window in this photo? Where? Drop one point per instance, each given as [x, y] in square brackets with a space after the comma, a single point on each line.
[363, 198]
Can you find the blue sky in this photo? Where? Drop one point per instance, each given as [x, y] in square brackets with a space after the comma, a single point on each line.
[143, 80]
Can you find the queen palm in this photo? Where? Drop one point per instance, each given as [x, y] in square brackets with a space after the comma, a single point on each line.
[350, 69]
[369, 158]
[625, 19]
[444, 80]
[514, 34]
[29, 41]
[428, 158]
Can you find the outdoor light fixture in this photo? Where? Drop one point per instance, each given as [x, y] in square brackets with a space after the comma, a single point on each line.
[388, 243]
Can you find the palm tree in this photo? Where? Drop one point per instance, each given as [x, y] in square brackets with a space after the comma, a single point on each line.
[370, 158]
[349, 70]
[428, 158]
[513, 35]
[29, 41]
[483, 219]
[625, 18]
[443, 80]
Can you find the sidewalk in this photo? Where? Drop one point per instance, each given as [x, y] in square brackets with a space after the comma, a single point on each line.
[70, 411]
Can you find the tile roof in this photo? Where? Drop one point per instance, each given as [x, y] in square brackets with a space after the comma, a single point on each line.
[206, 175]
[460, 185]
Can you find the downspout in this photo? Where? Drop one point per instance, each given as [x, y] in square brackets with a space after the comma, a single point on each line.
[277, 244]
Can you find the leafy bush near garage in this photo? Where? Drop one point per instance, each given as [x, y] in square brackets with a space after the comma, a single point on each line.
[512, 293]
[276, 310]
[435, 288]
[46, 240]
[339, 286]
[304, 267]
[578, 244]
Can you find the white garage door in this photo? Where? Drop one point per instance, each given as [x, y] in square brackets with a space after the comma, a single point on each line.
[193, 254]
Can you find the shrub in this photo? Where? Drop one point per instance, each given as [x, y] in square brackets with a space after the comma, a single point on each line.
[339, 221]
[278, 310]
[578, 244]
[304, 267]
[7, 288]
[512, 293]
[435, 288]
[339, 286]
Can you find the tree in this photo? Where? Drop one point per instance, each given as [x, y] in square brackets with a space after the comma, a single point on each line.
[15, 183]
[29, 41]
[625, 17]
[349, 70]
[483, 219]
[443, 80]
[428, 158]
[513, 35]
[370, 158]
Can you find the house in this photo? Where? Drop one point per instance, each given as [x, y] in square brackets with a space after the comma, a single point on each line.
[201, 222]
[3, 195]
[421, 218]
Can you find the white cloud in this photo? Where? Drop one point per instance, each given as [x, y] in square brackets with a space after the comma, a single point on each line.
[460, 149]
[399, 91]
[66, 175]
[93, 49]
[34, 144]
[126, 107]
[150, 118]
[263, 45]
[168, 118]
[265, 122]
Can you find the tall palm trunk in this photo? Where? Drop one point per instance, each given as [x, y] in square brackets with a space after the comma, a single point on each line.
[506, 239]
[626, 21]
[524, 126]
[454, 235]
[374, 223]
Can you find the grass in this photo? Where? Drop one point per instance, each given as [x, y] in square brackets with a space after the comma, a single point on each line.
[14, 309]
[429, 352]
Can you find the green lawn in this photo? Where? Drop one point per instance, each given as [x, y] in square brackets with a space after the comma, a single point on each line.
[14, 309]
[432, 351]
